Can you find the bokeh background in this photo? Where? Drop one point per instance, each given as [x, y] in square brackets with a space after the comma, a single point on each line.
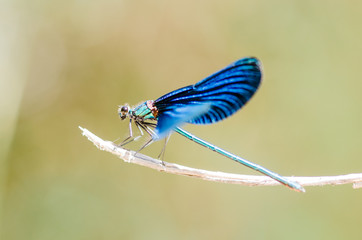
[65, 64]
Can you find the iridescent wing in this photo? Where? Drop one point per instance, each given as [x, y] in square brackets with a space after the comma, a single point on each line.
[224, 93]
[171, 119]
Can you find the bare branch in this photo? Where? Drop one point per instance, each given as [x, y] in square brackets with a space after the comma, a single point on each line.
[247, 180]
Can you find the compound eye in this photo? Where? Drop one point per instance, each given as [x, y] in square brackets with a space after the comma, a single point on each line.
[124, 109]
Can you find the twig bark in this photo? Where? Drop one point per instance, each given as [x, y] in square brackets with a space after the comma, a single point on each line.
[247, 180]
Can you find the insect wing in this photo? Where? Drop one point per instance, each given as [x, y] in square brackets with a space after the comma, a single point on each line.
[179, 115]
[225, 91]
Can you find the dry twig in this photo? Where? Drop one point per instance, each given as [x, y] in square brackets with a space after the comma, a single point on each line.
[247, 180]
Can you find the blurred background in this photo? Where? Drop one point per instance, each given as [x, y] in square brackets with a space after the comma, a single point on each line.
[65, 64]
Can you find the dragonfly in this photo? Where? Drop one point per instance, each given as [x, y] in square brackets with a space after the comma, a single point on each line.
[208, 101]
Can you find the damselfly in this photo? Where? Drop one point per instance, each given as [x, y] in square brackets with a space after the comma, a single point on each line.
[208, 101]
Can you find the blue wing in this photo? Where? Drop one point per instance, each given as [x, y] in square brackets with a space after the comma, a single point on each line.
[171, 119]
[224, 93]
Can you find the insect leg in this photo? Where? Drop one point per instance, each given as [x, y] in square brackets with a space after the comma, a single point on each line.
[145, 145]
[124, 142]
[162, 153]
[149, 131]
[135, 138]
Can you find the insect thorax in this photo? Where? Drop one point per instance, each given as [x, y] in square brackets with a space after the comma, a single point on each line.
[144, 111]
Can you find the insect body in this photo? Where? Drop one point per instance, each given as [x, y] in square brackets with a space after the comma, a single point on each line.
[208, 101]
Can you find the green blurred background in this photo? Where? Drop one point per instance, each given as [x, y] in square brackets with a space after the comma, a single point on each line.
[70, 63]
